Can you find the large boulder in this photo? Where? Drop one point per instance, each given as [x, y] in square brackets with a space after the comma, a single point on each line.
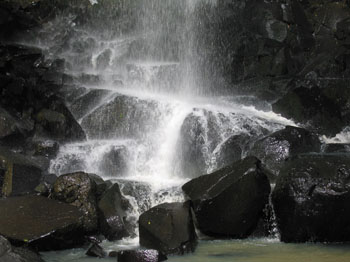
[18, 174]
[112, 207]
[311, 107]
[274, 149]
[148, 255]
[168, 228]
[40, 222]
[80, 190]
[230, 201]
[311, 199]
[123, 116]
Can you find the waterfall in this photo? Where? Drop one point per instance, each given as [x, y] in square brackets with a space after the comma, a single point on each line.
[136, 89]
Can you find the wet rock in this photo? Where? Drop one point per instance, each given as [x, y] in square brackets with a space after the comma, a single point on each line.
[112, 207]
[40, 222]
[46, 148]
[114, 118]
[148, 255]
[231, 150]
[168, 228]
[311, 199]
[101, 185]
[9, 253]
[311, 107]
[57, 123]
[104, 59]
[230, 201]
[114, 162]
[274, 149]
[336, 148]
[79, 190]
[87, 102]
[96, 250]
[19, 175]
[141, 191]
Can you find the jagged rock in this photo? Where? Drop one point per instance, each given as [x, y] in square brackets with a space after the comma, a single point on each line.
[79, 190]
[96, 250]
[57, 123]
[311, 199]
[311, 107]
[40, 222]
[114, 162]
[9, 253]
[274, 149]
[113, 119]
[147, 255]
[230, 201]
[168, 228]
[87, 102]
[46, 148]
[112, 207]
[19, 175]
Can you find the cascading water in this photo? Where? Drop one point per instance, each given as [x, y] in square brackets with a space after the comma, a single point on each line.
[138, 98]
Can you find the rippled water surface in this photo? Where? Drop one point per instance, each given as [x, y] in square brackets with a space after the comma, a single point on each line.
[260, 250]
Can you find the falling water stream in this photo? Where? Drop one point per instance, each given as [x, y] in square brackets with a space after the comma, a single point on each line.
[139, 97]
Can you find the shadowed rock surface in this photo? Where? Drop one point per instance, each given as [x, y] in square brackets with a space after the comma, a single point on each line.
[147, 255]
[230, 201]
[168, 228]
[40, 222]
[274, 149]
[311, 199]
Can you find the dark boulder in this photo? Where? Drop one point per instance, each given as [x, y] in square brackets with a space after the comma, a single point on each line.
[168, 228]
[112, 208]
[40, 222]
[87, 102]
[57, 123]
[148, 255]
[79, 190]
[96, 250]
[311, 199]
[9, 253]
[230, 201]
[18, 174]
[311, 107]
[274, 149]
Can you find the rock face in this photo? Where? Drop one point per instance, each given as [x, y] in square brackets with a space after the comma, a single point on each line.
[9, 253]
[41, 222]
[168, 228]
[310, 106]
[18, 175]
[274, 149]
[112, 207]
[147, 255]
[96, 250]
[230, 201]
[311, 199]
[80, 190]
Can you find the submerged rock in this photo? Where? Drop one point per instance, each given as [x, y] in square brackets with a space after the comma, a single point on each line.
[168, 228]
[79, 190]
[112, 207]
[274, 149]
[41, 222]
[148, 255]
[312, 197]
[18, 174]
[230, 201]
